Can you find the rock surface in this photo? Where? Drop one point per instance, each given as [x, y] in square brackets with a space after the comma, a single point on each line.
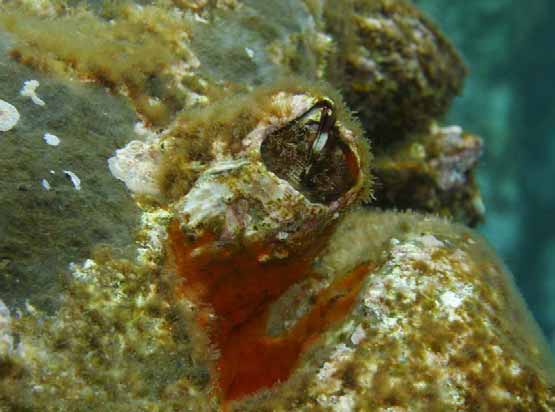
[254, 279]
[45, 223]
[503, 101]
[437, 325]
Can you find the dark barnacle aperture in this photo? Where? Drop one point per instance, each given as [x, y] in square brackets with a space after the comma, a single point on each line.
[309, 154]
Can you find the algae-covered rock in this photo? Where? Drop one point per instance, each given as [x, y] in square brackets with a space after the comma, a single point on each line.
[256, 284]
[435, 324]
[432, 172]
[396, 69]
[46, 221]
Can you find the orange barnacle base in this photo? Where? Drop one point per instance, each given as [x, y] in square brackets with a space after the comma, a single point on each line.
[238, 288]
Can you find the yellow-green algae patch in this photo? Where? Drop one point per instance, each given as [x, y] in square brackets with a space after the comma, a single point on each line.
[130, 55]
[117, 343]
[392, 64]
[437, 326]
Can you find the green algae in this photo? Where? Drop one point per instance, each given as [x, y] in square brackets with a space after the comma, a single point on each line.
[100, 353]
[124, 338]
[42, 231]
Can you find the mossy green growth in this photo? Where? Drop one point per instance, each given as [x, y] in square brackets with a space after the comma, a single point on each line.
[396, 69]
[44, 228]
[117, 343]
[130, 54]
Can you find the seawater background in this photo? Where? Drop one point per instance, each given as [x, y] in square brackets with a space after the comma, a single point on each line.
[509, 100]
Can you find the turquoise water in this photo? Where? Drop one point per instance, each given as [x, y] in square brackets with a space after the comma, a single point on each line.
[509, 100]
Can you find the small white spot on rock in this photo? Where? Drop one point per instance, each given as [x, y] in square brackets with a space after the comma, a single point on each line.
[430, 241]
[200, 19]
[44, 183]
[74, 179]
[345, 403]
[136, 165]
[478, 205]
[451, 299]
[29, 89]
[452, 129]
[358, 335]
[250, 52]
[51, 139]
[9, 116]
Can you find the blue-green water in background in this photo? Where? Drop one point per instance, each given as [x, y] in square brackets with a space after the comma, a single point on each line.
[509, 100]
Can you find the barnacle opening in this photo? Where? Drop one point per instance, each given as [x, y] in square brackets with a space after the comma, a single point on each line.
[310, 154]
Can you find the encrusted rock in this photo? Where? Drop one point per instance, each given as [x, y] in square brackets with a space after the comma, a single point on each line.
[256, 285]
[436, 324]
[432, 172]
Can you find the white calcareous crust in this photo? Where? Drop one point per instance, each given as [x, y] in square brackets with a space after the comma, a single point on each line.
[137, 165]
[9, 116]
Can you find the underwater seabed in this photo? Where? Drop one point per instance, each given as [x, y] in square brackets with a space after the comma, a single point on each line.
[247, 206]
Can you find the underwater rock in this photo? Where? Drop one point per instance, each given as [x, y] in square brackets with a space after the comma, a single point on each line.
[257, 285]
[407, 311]
[436, 325]
[396, 69]
[434, 173]
[45, 223]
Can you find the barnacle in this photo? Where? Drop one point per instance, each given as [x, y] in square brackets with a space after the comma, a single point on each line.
[279, 166]
[252, 224]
